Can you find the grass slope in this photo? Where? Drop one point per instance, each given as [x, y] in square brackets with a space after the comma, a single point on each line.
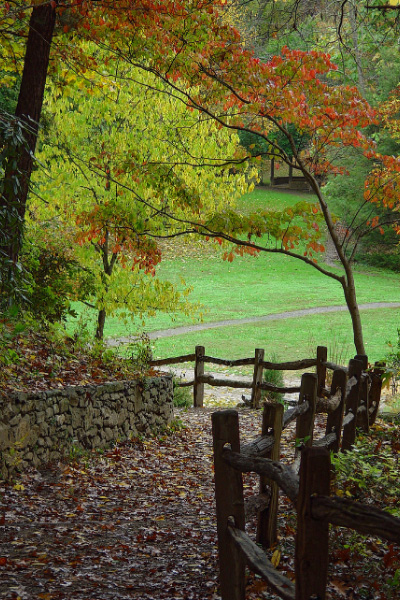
[267, 284]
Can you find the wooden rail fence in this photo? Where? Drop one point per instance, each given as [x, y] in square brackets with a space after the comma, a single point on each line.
[363, 403]
[309, 492]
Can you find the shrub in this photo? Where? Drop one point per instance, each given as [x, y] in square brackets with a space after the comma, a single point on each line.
[182, 395]
[273, 377]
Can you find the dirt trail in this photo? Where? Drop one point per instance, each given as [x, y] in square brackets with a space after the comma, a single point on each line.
[161, 333]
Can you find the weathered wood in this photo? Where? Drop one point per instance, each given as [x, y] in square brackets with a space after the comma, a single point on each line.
[326, 442]
[260, 564]
[268, 518]
[185, 383]
[348, 419]
[229, 363]
[214, 381]
[294, 365]
[365, 519]
[247, 385]
[229, 503]
[328, 405]
[258, 447]
[305, 422]
[254, 504]
[376, 390]
[352, 382]
[292, 414]
[198, 387]
[352, 400]
[257, 378]
[322, 356]
[312, 539]
[334, 422]
[282, 474]
[334, 367]
[172, 361]
[363, 416]
[364, 359]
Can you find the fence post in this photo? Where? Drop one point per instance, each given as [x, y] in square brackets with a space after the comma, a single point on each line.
[376, 389]
[322, 357]
[267, 518]
[229, 502]
[257, 378]
[198, 388]
[305, 422]
[312, 539]
[335, 418]
[352, 401]
[363, 417]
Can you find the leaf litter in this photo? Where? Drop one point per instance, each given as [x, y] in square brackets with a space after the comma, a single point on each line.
[138, 521]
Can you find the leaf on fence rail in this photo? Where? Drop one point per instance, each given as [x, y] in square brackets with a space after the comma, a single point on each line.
[328, 405]
[260, 564]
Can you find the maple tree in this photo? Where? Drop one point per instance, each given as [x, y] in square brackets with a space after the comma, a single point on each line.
[288, 90]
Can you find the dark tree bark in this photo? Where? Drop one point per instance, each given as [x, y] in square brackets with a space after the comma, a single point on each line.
[29, 108]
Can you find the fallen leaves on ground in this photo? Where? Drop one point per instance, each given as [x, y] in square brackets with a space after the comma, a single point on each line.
[138, 521]
[33, 362]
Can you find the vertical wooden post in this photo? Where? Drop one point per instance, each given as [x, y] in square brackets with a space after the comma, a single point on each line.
[305, 422]
[257, 377]
[363, 417]
[229, 502]
[198, 388]
[375, 390]
[352, 401]
[322, 357]
[335, 418]
[267, 518]
[312, 539]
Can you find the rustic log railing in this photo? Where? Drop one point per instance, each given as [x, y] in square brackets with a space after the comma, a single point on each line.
[364, 404]
[309, 492]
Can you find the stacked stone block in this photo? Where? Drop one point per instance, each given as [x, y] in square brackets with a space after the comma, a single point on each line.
[38, 428]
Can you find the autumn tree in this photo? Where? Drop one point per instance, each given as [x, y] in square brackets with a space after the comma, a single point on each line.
[293, 89]
[120, 156]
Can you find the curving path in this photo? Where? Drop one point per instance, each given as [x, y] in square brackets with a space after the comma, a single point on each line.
[161, 333]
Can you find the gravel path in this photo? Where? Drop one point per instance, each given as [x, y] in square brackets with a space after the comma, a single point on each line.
[161, 333]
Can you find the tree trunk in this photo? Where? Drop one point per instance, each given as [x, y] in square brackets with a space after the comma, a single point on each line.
[351, 301]
[357, 53]
[29, 108]
[347, 281]
[101, 319]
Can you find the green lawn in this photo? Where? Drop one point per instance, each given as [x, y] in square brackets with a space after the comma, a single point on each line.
[292, 338]
[254, 286]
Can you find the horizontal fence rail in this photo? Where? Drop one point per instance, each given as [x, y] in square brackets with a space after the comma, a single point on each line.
[309, 492]
[361, 407]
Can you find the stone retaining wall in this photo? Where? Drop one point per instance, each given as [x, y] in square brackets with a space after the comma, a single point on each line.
[41, 427]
